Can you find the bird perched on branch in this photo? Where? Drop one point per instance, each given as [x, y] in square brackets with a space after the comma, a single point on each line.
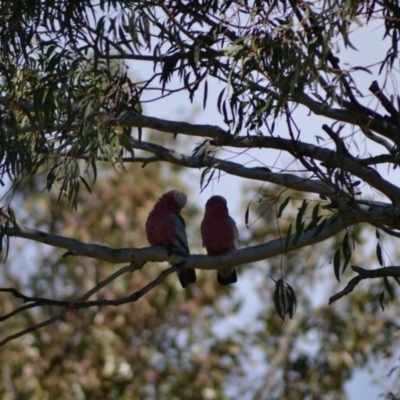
[165, 226]
[220, 235]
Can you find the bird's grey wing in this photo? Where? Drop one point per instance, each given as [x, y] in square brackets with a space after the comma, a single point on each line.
[180, 241]
[236, 232]
[186, 276]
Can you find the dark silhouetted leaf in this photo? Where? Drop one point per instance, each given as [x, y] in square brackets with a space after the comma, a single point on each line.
[283, 206]
[346, 249]
[336, 264]
[284, 299]
[381, 299]
[389, 287]
[379, 254]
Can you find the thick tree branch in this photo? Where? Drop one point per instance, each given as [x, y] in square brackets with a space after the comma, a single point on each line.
[387, 103]
[256, 173]
[330, 157]
[223, 138]
[381, 213]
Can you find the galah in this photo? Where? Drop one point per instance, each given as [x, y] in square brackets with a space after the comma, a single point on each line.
[220, 235]
[165, 226]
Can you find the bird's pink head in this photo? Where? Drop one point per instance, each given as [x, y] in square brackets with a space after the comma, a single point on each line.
[216, 201]
[175, 199]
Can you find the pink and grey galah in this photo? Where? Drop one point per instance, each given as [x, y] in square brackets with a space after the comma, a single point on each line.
[220, 235]
[166, 227]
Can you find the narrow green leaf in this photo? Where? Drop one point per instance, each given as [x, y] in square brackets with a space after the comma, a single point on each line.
[246, 217]
[381, 299]
[320, 227]
[86, 184]
[315, 218]
[300, 214]
[313, 224]
[389, 288]
[7, 238]
[203, 175]
[205, 95]
[288, 235]
[346, 248]
[283, 206]
[379, 254]
[220, 100]
[299, 232]
[333, 220]
[336, 264]
[315, 212]
[224, 112]
[292, 300]
[280, 299]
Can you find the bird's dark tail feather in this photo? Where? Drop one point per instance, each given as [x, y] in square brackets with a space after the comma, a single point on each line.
[227, 280]
[187, 276]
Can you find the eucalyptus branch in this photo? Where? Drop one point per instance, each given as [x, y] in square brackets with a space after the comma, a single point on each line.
[256, 173]
[381, 213]
[380, 140]
[133, 120]
[330, 157]
[381, 126]
[223, 138]
[386, 103]
[386, 272]
[381, 159]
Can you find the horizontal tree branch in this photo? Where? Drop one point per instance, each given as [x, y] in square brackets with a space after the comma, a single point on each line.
[221, 137]
[255, 173]
[351, 165]
[380, 213]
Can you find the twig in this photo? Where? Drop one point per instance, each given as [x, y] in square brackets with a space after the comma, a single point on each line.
[17, 311]
[391, 271]
[41, 301]
[100, 285]
[386, 103]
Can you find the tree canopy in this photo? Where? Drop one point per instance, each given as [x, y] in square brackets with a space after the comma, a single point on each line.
[80, 86]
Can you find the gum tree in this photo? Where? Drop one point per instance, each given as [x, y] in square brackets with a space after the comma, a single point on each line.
[68, 103]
